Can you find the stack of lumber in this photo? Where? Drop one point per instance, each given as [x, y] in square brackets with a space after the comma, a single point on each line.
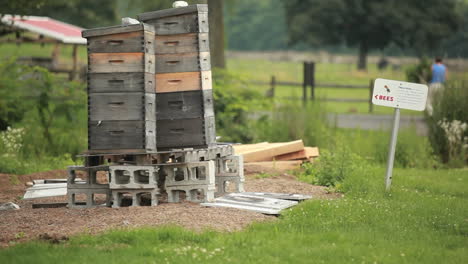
[283, 156]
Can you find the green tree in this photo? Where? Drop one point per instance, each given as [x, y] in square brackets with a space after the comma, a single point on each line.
[370, 25]
[259, 26]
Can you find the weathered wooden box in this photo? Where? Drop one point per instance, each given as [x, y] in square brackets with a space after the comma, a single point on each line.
[184, 105]
[186, 133]
[182, 43]
[183, 81]
[110, 136]
[127, 48]
[183, 62]
[122, 106]
[121, 82]
[121, 39]
[182, 20]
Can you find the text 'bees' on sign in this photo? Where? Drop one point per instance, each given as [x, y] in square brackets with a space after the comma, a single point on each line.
[398, 94]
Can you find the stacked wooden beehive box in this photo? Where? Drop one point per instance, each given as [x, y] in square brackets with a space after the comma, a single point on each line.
[151, 124]
[184, 101]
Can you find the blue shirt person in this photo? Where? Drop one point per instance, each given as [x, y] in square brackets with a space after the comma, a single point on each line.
[439, 76]
[439, 71]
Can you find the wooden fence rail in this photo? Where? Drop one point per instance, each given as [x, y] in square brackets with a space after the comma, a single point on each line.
[309, 81]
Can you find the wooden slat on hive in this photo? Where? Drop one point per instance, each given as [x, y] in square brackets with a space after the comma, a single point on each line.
[121, 82]
[185, 62]
[121, 62]
[182, 43]
[183, 81]
[121, 135]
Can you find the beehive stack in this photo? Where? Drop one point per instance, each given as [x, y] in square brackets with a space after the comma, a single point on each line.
[121, 94]
[185, 116]
[151, 121]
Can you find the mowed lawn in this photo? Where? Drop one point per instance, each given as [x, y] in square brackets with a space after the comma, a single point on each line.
[424, 219]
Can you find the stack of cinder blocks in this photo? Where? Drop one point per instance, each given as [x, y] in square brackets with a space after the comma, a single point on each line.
[151, 124]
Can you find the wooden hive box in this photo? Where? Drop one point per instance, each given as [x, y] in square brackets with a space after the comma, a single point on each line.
[182, 48]
[185, 115]
[121, 89]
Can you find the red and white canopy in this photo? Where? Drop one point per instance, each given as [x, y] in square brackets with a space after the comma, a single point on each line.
[48, 27]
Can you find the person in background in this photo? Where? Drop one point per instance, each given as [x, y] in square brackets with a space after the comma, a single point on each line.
[439, 76]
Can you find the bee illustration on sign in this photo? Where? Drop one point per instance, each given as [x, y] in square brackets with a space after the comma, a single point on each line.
[386, 88]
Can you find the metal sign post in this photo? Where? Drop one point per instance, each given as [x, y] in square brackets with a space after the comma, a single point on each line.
[399, 95]
[392, 147]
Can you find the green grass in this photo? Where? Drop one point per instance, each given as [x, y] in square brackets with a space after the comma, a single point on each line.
[422, 220]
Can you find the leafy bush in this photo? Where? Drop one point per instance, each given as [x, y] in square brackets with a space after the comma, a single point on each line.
[332, 167]
[420, 73]
[233, 103]
[47, 126]
[13, 84]
[448, 132]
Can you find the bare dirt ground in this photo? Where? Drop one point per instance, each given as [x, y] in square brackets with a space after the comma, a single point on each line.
[55, 224]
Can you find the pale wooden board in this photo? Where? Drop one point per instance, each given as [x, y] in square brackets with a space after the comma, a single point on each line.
[267, 152]
[306, 153]
[312, 152]
[273, 165]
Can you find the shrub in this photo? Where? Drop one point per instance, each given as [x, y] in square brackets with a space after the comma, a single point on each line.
[332, 167]
[448, 132]
[233, 103]
[420, 73]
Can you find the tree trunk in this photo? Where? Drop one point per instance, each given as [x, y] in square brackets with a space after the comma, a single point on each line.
[362, 60]
[215, 18]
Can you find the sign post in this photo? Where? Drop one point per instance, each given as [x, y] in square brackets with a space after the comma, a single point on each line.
[399, 95]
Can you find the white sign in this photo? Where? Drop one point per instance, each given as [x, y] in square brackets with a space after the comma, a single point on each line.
[398, 94]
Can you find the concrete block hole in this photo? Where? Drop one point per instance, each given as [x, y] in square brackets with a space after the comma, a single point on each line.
[179, 174]
[199, 173]
[122, 177]
[142, 176]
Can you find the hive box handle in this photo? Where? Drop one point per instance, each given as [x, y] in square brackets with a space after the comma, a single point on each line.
[115, 42]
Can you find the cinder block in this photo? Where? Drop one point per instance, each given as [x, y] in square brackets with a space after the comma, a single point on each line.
[91, 181]
[230, 166]
[229, 169]
[90, 197]
[187, 174]
[221, 184]
[191, 193]
[133, 177]
[118, 195]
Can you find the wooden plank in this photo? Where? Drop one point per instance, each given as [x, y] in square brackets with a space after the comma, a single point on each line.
[182, 43]
[269, 151]
[182, 81]
[298, 155]
[187, 62]
[173, 12]
[181, 105]
[239, 149]
[306, 153]
[121, 62]
[95, 32]
[121, 135]
[121, 82]
[122, 106]
[183, 24]
[272, 165]
[312, 152]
